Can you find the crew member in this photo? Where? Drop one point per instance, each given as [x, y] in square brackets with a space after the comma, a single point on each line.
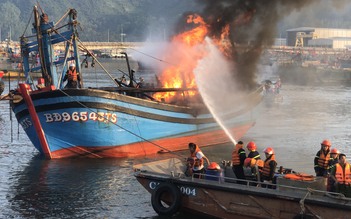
[270, 164]
[251, 146]
[334, 154]
[253, 157]
[196, 160]
[72, 77]
[341, 174]
[238, 158]
[321, 161]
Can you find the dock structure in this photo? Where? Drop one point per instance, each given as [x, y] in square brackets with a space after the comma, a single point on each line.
[106, 45]
[89, 45]
[118, 47]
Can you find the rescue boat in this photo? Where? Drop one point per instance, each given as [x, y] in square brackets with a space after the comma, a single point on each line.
[293, 196]
[120, 120]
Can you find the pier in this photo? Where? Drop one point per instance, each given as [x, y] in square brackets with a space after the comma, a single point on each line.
[123, 46]
[119, 46]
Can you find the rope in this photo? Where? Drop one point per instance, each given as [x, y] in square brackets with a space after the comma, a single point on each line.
[153, 57]
[25, 30]
[97, 61]
[302, 203]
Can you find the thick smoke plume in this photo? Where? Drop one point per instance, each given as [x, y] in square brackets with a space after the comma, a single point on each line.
[252, 27]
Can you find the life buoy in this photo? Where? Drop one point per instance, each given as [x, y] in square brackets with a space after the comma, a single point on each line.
[171, 194]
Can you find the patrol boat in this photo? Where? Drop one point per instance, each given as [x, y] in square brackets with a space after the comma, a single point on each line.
[119, 120]
[301, 196]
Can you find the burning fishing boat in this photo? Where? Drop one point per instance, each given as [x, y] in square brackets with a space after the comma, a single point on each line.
[122, 120]
[300, 196]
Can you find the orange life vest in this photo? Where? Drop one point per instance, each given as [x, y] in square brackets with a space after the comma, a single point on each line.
[341, 176]
[72, 75]
[266, 168]
[323, 160]
[236, 155]
[197, 162]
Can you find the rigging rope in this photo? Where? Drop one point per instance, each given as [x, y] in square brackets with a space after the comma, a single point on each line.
[153, 57]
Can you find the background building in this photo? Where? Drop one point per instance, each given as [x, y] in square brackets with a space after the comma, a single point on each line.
[319, 37]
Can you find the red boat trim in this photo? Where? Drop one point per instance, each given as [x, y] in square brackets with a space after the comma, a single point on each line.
[36, 122]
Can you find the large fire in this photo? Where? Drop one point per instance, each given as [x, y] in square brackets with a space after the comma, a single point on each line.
[186, 49]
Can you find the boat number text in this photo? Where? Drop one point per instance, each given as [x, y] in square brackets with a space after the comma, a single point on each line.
[81, 117]
[183, 189]
[26, 123]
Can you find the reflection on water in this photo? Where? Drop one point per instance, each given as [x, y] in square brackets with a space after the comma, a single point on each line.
[79, 188]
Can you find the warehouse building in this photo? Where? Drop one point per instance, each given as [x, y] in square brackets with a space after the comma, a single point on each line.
[319, 37]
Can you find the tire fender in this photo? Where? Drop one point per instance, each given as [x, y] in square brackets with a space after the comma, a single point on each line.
[173, 195]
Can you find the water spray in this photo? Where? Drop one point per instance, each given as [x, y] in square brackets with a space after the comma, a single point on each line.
[214, 65]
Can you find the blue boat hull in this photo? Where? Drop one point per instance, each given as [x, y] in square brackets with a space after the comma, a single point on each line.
[98, 123]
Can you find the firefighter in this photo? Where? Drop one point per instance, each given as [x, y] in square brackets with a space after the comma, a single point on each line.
[341, 174]
[251, 146]
[270, 164]
[238, 158]
[334, 154]
[322, 159]
[334, 158]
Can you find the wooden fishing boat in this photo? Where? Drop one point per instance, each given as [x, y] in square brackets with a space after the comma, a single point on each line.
[171, 191]
[121, 120]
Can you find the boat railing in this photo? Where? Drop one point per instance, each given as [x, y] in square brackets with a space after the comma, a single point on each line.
[267, 185]
[226, 180]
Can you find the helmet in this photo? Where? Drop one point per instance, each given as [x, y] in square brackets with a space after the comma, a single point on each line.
[334, 151]
[72, 65]
[269, 150]
[213, 166]
[251, 146]
[247, 162]
[326, 143]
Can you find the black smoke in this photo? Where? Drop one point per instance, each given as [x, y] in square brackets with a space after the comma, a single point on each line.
[252, 27]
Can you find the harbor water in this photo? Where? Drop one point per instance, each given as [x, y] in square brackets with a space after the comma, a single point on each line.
[293, 124]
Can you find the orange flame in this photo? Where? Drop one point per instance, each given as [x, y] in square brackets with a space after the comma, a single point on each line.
[187, 49]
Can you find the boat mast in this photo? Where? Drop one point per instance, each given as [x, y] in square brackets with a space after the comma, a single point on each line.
[42, 29]
[72, 26]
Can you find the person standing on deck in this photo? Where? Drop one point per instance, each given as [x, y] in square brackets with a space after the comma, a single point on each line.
[196, 160]
[270, 164]
[238, 158]
[251, 146]
[334, 154]
[72, 77]
[253, 156]
[341, 174]
[334, 158]
[321, 161]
